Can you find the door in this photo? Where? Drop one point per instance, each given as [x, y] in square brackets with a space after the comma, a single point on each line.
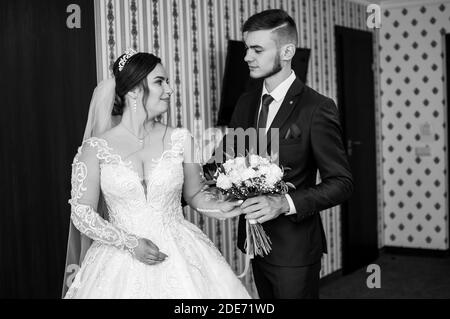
[357, 108]
[47, 78]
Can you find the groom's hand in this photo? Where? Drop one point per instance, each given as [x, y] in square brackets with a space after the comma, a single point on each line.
[231, 208]
[265, 208]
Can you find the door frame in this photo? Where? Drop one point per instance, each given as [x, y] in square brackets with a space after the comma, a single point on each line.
[339, 32]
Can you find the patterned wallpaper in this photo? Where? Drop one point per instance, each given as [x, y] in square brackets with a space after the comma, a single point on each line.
[412, 79]
[191, 38]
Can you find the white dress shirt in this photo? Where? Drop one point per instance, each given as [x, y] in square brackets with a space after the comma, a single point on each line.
[278, 95]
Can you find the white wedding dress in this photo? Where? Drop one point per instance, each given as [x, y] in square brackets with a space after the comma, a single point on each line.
[194, 267]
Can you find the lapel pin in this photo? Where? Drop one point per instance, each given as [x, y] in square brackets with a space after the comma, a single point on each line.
[291, 102]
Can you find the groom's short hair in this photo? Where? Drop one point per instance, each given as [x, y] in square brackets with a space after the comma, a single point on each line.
[284, 27]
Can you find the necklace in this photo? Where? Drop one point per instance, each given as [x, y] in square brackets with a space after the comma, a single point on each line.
[141, 140]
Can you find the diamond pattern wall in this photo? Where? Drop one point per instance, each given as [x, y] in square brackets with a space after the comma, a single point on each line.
[412, 66]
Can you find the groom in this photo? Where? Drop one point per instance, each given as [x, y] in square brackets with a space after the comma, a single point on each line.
[310, 140]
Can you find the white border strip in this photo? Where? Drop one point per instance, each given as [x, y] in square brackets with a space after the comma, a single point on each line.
[389, 4]
[365, 2]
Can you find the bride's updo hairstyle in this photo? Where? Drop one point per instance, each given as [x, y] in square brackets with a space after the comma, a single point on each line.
[131, 72]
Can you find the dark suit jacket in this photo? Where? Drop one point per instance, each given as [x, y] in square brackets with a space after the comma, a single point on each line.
[315, 143]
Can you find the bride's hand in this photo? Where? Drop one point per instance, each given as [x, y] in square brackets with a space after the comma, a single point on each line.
[230, 209]
[148, 253]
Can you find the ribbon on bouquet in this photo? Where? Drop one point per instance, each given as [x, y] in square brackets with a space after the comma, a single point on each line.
[248, 246]
[256, 242]
[256, 239]
[249, 254]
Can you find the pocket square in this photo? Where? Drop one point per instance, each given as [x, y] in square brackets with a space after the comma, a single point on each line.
[293, 132]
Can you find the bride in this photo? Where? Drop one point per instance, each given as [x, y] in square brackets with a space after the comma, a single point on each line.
[128, 237]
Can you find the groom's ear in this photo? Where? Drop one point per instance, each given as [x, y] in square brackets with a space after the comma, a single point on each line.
[288, 51]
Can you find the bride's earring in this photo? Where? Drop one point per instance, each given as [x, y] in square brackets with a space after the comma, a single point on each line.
[134, 106]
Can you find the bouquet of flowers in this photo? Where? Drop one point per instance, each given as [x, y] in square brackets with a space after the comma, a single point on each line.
[244, 177]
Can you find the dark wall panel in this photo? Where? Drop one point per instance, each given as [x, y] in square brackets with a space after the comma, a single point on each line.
[47, 77]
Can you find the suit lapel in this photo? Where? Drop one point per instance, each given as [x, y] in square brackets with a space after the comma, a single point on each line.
[254, 101]
[289, 104]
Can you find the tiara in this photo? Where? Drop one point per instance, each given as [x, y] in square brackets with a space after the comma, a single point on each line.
[127, 55]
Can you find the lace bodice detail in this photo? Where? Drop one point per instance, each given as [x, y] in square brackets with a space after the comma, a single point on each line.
[194, 268]
[131, 208]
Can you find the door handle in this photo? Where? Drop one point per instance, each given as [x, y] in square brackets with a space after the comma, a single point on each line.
[350, 145]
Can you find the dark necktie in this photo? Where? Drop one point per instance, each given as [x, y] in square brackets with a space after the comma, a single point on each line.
[262, 121]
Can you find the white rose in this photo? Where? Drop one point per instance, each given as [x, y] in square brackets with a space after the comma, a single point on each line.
[240, 162]
[254, 160]
[235, 177]
[272, 174]
[223, 182]
[264, 170]
[228, 165]
[271, 180]
[264, 161]
[248, 173]
[257, 173]
[275, 172]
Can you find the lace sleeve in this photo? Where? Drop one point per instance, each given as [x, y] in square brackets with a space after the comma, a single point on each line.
[84, 200]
